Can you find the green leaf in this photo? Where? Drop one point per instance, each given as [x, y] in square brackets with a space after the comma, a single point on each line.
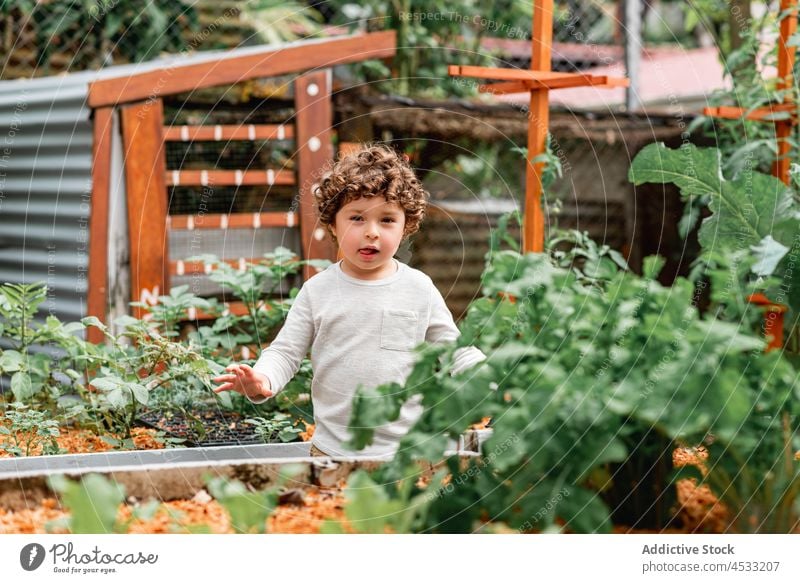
[696, 171]
[118, 398]
[248, 511]
[93, 321]
[10, 361]
[140, 393]
[21, 386]
[768, 253]
[109, 383]
[652, 266]
[93, 503]
[744, 210]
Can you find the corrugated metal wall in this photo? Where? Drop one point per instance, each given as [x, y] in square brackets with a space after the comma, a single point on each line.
[45, 189]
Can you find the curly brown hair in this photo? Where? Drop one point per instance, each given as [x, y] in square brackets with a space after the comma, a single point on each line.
[374, 170]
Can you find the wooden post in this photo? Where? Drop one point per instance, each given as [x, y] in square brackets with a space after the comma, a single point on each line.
[313, 121]
[786, 58]
[145, 169]
[96, 301]
[539, 122]
[539, 80]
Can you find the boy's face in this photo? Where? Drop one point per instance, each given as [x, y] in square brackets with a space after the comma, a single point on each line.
[369, 223]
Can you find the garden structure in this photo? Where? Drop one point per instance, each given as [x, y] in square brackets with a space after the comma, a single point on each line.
[98, 227]
[540, 80]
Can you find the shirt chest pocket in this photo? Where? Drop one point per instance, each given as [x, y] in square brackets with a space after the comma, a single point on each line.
[398, 330]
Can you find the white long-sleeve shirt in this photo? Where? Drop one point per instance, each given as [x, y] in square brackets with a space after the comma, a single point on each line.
[360, 332]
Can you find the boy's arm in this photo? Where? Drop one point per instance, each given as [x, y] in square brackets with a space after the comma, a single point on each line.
[442, 329]
[280, 361]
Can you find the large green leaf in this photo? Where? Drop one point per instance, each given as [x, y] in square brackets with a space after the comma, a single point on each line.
[697, 172]
[10, 361]
[21, 386]
[745, 210]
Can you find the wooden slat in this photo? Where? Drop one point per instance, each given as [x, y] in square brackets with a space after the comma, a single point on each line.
[504, 87]
[145, 166]
[235, 308]
[186, 267]
[314, 154]
[228, 133]
[538, 79]
[232, 68]
[758, 114]
[96, 302]
[232, 221]
[229, 177]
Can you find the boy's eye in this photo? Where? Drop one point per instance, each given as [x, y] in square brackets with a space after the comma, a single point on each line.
[389, 220]
[355, 218]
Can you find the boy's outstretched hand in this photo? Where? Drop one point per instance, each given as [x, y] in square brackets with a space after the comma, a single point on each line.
[243, 379]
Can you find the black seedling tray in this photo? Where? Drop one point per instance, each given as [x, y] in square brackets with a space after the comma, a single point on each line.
[221, 428]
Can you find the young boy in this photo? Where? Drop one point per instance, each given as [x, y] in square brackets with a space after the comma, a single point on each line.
[363, 315]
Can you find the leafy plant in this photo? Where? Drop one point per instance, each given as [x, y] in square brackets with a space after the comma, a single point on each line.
[93, 502]
[576, 368]
[24, 430]
[171, 309]
[43, 356]
[127, 373]
[249, 510]
[753, 217]
[590, 262]
[370, 509]
[98, 33]
[280, 425]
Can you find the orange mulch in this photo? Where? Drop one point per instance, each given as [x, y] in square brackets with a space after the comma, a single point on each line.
[309, 432]
[304, 513]
[75, 440]
[30, 521]
[698, 508]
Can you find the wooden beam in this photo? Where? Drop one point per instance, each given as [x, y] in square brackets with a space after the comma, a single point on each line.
[186, 267]
[227, 133]
[145, 167]
[786, 59]
[96, 301]
[538, 79]
[312, 95]
[232, 221]
[229, 177]
[506, 74]
[505, 87]
[235, 68]
[538, 122]
[758, 114]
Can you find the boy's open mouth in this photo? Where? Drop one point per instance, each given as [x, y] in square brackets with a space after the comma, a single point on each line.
[367, 251]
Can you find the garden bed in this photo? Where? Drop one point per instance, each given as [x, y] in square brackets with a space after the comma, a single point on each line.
[300, 511]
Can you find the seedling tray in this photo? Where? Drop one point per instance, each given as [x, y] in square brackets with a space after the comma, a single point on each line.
[222, 428]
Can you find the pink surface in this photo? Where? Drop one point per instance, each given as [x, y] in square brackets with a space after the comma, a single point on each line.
[667, 75]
